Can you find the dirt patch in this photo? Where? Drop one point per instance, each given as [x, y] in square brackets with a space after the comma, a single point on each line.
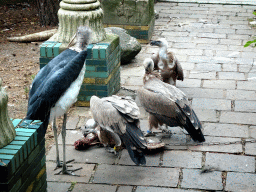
[19, 62]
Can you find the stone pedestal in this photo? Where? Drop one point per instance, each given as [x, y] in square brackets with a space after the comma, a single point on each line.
[74, 13]
[137, 17]
[22, 162]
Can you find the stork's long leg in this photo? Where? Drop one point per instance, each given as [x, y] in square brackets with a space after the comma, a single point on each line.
[64, 166]
[58, 164]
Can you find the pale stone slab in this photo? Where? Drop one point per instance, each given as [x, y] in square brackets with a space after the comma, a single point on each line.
[231, 75]
[202, 75]
[72, 122]
[136, 175]
[189, 83]
[207, 115]
[203, 93]
[185, 159]
[246, 85]
[226, 130]
[193, 179]
[238, 117]
[215, 144]
[162, 189]
[219, 84]
[71, 136]
[85, 173]
[250, 148]
[227, 162]
[91, 155]
[151, 159]
[57, 186]
[125, 189]
[241, 182]
[241, 95]
[213, 104]
[93, 188]
[246, 106]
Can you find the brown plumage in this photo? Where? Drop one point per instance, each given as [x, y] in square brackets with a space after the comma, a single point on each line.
[167, 104]
[118, 119]
[166, 62]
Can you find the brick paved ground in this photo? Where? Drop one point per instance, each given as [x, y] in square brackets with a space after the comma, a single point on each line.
[220, 76]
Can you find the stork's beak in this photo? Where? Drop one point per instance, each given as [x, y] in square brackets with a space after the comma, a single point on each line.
[157, 43]
[72, 40]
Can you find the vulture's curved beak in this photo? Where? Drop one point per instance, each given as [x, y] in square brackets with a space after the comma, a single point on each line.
[157, 43]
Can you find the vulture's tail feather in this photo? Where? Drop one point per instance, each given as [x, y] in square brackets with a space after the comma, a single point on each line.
[194, 128]
[134, 143]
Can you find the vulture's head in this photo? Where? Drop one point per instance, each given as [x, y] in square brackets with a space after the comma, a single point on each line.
[89, 127]
[162, 42]
[82, 36]
[149, 65]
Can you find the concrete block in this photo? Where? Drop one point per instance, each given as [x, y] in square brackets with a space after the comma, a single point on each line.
[135, 175]
[193, 179]
[240, 182]
[227, 162]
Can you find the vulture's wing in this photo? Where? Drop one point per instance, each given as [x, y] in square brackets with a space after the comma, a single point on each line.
[108, 117]
[125, 105]
[179, 70]
[158, 100]
[166, 101]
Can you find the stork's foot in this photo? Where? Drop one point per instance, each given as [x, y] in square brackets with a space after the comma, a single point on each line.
[149, 134]
[68, 172]
[60, 164]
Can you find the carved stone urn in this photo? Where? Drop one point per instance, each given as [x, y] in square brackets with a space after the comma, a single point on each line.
[7, 131]
[73, 13]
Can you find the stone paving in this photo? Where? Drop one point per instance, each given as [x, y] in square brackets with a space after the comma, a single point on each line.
[220, 82]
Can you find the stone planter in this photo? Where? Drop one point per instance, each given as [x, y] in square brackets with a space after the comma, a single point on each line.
[7, 131]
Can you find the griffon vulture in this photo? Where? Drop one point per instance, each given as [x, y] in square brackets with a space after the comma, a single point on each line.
[166, 62]
[167, 104]
[118, 118]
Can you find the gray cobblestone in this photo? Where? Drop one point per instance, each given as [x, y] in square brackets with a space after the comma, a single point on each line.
[230, 41]
[203, 93]
[229, 67]
[241, 182]
[238, 117]
[134, 175]
[247, 106]
[219, 84]
[202, 75]
[207, 115]
[250, 148]
[215, 104]
[252, 132]
[207, 67]
[189, 83]
[231, 75]
[226, 130]
[246, 85]
[227, 162]
[228, 54]
[125, 189]
[183, 159]
[212, 35]
[89, 187]
[193, 179]
[157, 189]
[241, 95]
[231, 148]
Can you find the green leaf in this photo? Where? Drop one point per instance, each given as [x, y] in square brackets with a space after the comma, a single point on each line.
[254, 13]
[249, 43]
